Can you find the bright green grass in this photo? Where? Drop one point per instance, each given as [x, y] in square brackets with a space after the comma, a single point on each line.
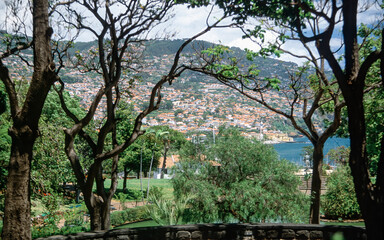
[134, 184]
[149, 223]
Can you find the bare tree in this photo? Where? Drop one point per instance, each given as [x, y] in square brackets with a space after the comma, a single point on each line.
[115, 34]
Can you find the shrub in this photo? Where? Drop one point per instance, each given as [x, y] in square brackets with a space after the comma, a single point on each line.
[340, 200]
[129, 215]
[38, 232]
[75, 217]
[167, 211]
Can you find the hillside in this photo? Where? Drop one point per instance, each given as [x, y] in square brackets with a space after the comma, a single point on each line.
[193, 102]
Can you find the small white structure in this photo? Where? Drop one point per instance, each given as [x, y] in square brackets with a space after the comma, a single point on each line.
[171, 161]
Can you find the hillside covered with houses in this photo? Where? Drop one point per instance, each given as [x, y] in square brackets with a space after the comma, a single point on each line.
[193, 103]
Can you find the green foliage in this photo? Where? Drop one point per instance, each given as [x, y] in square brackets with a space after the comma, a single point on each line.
[129, 194]
[340, 200]
[38, 232]
[75, 216]
[3, 101]
[5, 146]
[339, 155]
[165, 133]
[307, 154]
[240, 180]
[227, 66]
[46, 225]
[167, 211]
[51, 202]
[373, 99]
[129, 215]
[50, 167]
[130, 158]
[166, 105]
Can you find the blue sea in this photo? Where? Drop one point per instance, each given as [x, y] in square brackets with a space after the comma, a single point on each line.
[293, 151]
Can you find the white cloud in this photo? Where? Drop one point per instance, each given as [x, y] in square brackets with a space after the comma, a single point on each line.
[188, 22]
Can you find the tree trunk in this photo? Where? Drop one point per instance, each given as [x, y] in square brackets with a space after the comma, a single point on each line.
[164, 162]
[97, 208]
[149, 174]
[106, 215]
[125, 180]
[314, 216]
[17, 219]
[369, 196]
[107, 197]
[141, 174]
[95, 216]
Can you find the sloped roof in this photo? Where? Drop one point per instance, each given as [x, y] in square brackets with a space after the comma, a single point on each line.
[170, 162]
[173, 159]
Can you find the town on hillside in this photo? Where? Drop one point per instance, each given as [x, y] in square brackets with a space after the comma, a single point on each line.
[193, 103]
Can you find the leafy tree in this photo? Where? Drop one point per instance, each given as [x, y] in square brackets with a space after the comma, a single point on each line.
[170, 140]
[141, 149]
[239, 180]
[48, 148]
[303, 100]
[339, 155]
[168, 105]
[297, 20]
[340, 199]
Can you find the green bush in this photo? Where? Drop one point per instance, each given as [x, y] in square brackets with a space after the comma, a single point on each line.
[340, 200]
[38, 232]
[129, 194]
[129, 215]
[75, 217]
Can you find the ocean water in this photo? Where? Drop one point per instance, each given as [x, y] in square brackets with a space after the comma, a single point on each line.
[292, 151]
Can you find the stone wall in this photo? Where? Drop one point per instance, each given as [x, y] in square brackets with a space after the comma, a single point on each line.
[225, 231]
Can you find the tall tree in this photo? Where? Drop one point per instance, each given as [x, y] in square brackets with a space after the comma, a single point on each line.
[25, 118]
[117, 35]
[239, 180]
[170, 140]
[305, 98]
[296, 17]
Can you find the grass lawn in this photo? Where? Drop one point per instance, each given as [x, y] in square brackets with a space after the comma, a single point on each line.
[134, 184]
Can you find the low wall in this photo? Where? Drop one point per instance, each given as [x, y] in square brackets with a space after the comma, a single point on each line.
[225, 231]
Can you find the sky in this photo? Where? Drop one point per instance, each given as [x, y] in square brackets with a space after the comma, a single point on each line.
[187, 22]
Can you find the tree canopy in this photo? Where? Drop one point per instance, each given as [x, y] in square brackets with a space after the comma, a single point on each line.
[242, 180]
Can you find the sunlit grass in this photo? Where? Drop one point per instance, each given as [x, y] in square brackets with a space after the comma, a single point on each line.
[134, 184]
